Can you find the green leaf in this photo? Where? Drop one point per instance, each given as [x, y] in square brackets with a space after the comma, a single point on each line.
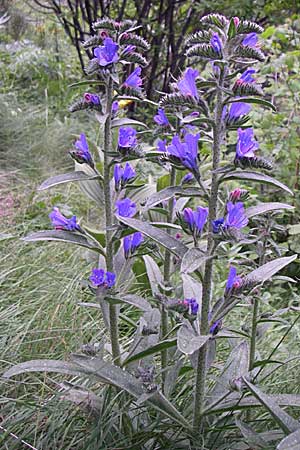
[66, 178]
[154, 274]
[170, 226]
[87, 83]
[254, 440]
[291, 442]
[169, 192]
[167, 343]
[259, 101]
[91, 188]
[192, 260]
[256, 177]
[188, 341]
[191, 288]
[96, 234]
[269, 269]
[125, 122]
[263, 208]
[44, 365]
[162, 238]
[63, 236]
[231, 29]
[284, 420]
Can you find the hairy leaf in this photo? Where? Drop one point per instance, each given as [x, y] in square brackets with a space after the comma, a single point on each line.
[284, 420]
[169, 192]
[269, 269]
[252, 438]
[91, 188]
[263, 208]
[188, 341]
[154, 274]
[192, 260]
[291, 442]
[66, 178]
[259, 101]
[167, 343]
[63, 236]
[134, 300]
[157, 235]
[192, 288]
[125, 122]
[256, 177]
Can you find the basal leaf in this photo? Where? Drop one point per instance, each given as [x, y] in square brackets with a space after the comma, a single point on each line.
[284, 420]
[269, 269]
[169, 192]
[263, 208]
[256, 177]
[188, 341]
[162, 238]
[291, 442]
[126, 122]
[63, 236]
[259, 101]
[66, 178]
[44, 365]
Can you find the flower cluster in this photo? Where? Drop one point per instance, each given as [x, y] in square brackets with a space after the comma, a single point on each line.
[61, 222]
[182, 153]
[123, 175]
[102, 278]
[131, 243]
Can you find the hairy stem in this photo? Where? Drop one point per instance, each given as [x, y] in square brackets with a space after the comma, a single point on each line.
[207, 281]
[113, 316]
[167, 273]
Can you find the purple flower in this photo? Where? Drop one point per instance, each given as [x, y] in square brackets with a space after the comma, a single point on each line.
[236, 21]
[246, 145]
[60, 222]
[122, 176]
[186, 152]
[115, 107]
[235, 195]
[195, 219]
[237, 110]
[107, 53]
[127, 137]
[217, 225]
[91, 98]
[215, 327]
[101, 278]
[81, 152]
[250, 40]
[216, 43]
[235, 215]
[134, 81]
[188, 178]
[126, 208]
[246, 76]
[233, 280]
[187, 85]
[131, 243]
[192, 305]
[129, 49]
[161, 118]
[161, 146]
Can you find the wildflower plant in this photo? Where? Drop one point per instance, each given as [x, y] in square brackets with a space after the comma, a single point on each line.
[175, 338]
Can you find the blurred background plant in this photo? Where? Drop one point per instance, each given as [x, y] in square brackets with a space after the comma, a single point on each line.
[37, 64]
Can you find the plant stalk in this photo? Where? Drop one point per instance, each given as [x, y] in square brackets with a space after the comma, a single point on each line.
[167, 274]
[207, 281]
[113, 315]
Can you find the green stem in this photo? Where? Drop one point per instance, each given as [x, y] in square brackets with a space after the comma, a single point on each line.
[167, 273]
[113, 316]
[207, 281]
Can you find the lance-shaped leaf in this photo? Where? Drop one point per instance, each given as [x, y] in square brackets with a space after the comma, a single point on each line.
[106, 373]
[269, 269]
[66, 178]
[252, 437]
[126, 122]
[188, 341]
[154, 274]
[284, 420]
[263, 208]
[259, 101]
[131, 299]
[291, 442]
[64, 236]
[162, 238]
[169, 192]
[87, 83]
[91, 188]
[192, 260]
[162, 345]
[256, 177]
[191, 288]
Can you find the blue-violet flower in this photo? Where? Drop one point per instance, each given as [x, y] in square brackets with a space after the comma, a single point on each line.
[61, 222]
[126, 208]
[107, 53]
